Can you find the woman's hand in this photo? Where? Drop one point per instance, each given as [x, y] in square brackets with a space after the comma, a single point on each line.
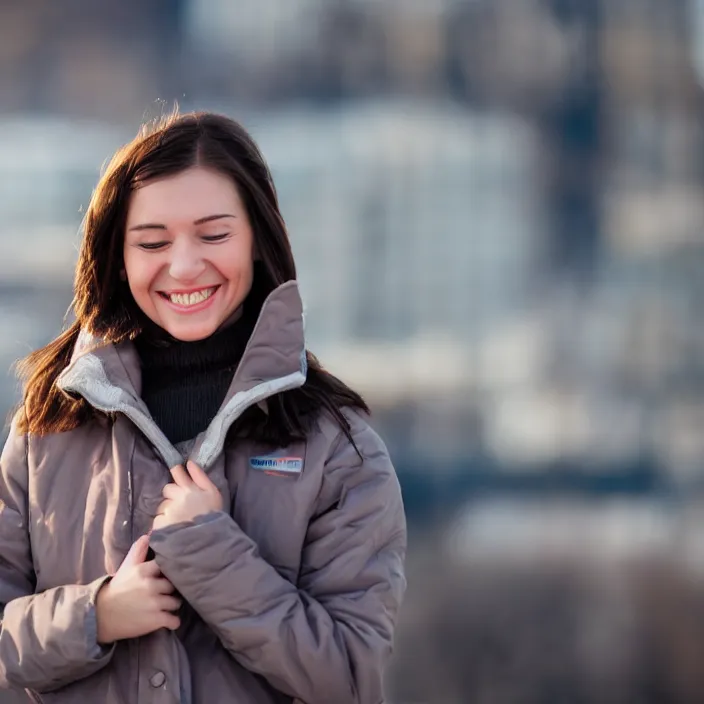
[191, 494]
[137, 600]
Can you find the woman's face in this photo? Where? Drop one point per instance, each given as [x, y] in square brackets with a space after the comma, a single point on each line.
[188, 252]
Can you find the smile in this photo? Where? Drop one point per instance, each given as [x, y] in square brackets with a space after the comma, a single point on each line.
[193, 298]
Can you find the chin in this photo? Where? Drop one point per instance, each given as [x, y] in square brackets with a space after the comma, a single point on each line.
[193, 334]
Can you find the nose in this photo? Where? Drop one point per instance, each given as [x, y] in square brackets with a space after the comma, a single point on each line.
[186, 263]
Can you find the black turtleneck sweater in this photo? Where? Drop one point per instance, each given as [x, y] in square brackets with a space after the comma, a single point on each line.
[184, 383]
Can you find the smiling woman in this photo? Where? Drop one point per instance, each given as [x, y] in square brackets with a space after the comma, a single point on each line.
[188, 252]
[225, 524]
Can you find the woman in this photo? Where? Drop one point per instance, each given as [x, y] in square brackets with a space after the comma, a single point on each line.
[191, 509]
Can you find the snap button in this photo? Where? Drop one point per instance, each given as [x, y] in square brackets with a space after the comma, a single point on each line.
[157, 679]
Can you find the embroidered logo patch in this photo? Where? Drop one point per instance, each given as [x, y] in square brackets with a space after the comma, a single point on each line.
[277, 465]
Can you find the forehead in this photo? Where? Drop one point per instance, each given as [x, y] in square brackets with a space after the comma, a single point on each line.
[189, 195]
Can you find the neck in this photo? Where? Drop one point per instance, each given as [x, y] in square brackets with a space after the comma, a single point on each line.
[184, 383]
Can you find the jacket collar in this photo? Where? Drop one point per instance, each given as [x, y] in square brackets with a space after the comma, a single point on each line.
[108, 376]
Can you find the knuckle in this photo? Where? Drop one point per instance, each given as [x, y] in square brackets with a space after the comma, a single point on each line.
[172, 622]
[154, 603]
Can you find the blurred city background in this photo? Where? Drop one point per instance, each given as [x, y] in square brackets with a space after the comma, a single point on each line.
[497, 208]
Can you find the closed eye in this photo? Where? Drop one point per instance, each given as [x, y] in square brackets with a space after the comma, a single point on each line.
[215, 238]
[152, 245]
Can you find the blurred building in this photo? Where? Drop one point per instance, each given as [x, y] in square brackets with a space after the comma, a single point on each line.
[48, 169]
[407, 221]
[497, 210]
[496, 206]
[109, 60]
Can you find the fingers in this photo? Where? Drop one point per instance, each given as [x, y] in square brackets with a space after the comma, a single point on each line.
[137, 553]
[181, 477]
[161, 508]
[199, 477]
[171, 491]
[169, 603]
[187, 477]
[149, 569]
[170, 621]
[163, 586]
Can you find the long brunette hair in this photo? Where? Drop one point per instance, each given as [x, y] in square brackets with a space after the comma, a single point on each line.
[104, 306]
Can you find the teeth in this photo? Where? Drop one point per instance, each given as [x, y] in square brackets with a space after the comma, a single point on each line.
[190, 299]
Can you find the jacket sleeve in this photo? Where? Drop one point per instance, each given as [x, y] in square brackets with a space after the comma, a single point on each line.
[46, 640]
[327, 640]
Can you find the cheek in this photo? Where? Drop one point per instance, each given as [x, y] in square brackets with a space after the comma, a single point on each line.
[237, 266]
[247, 271]
[244, 277]
[140, 275]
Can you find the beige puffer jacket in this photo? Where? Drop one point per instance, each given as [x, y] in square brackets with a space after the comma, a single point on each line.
[292, 595]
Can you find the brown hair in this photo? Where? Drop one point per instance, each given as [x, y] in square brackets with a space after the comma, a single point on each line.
[104, 306]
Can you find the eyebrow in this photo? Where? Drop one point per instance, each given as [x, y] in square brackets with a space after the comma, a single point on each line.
[199, 221]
